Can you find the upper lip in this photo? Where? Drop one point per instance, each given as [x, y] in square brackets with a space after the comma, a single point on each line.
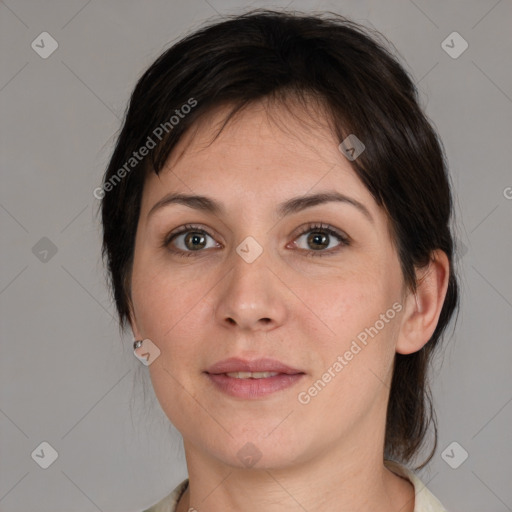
[236, 364]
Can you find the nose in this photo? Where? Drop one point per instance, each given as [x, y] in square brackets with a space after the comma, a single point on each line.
[251, 296]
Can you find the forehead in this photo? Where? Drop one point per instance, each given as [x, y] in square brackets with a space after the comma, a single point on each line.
[263, 152]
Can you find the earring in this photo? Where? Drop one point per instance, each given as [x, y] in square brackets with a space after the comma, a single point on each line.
[137, 344]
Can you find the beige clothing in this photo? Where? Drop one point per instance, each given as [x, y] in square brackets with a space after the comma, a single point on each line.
[424, 500]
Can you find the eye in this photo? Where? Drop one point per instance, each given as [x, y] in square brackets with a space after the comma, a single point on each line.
[319, 239]
[189, 240]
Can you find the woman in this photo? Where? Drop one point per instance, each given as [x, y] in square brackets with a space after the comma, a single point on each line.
[276, 227]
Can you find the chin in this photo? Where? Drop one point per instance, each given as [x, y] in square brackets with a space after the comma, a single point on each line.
[257, 450]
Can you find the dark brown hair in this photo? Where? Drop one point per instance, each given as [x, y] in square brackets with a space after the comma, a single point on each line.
[365, 91]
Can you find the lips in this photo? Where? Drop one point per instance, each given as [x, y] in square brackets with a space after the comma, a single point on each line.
[249, 380]
[236, 365]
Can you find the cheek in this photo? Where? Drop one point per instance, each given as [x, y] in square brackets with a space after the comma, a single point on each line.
[345, 304]
[356, 322]
[167, 302]
[173, 315]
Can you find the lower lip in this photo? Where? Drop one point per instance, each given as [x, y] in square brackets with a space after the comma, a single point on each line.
[253, 388]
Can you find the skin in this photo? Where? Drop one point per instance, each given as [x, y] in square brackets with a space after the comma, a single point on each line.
[304, 311]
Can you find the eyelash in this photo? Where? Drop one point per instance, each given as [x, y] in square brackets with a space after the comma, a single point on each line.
[320, 227]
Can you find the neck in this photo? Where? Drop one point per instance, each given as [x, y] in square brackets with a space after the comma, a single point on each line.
[361, 482]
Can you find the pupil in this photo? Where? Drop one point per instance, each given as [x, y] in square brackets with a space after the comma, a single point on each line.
[315, 237]
[195, 239]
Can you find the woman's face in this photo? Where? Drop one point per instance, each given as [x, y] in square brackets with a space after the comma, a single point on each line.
[255, 280]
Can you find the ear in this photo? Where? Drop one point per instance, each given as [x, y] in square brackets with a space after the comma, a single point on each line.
[422, 308]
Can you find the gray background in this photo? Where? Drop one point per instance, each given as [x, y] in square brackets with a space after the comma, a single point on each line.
[68, 378]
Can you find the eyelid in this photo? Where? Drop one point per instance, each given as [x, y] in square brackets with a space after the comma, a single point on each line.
[180, 231]
[322, 226]
[185, 228]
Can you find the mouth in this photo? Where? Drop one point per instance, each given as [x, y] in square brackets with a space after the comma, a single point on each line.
[251, 375]
[255, 366]
[252, 379]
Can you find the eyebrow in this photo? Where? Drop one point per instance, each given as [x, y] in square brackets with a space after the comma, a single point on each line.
[294, 205]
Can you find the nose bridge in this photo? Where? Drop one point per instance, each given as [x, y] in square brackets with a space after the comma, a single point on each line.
[250, 261]
[250, 297]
